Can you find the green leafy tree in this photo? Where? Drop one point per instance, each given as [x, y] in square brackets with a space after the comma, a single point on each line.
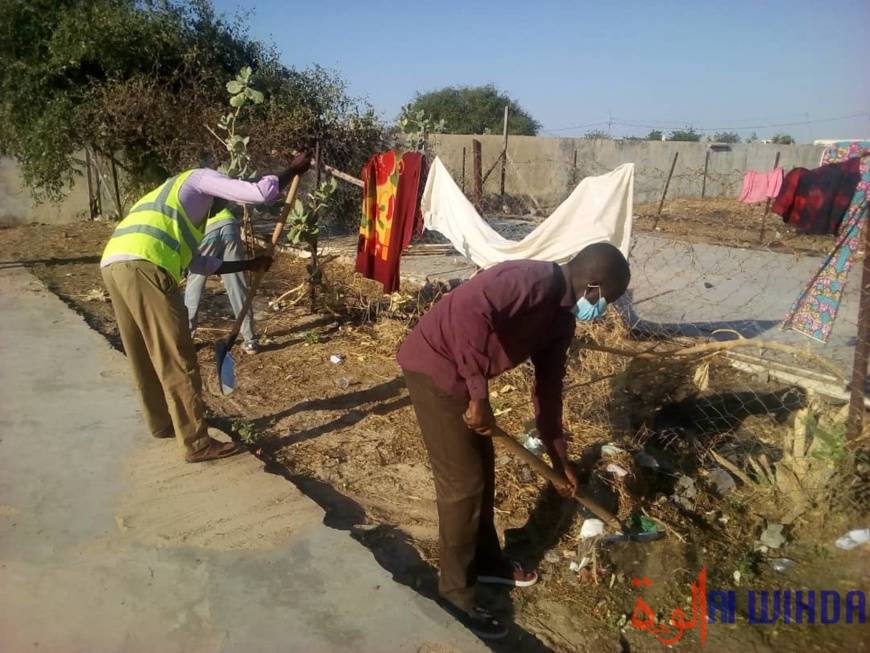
[687, 134]
[242, 93]
[141, 80]
[416, 126]
[726, 137]
[598, 135]
[783, 139]
[654, 135]
[753, 138]
[474, 110]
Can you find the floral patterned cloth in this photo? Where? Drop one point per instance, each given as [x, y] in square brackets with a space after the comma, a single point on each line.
[390, 212]
[815, 309]
[837, 152]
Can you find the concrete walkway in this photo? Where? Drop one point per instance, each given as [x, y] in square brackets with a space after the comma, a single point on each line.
[109, 542]
[696, 289]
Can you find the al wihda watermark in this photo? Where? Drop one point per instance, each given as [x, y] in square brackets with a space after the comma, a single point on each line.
[764, 607]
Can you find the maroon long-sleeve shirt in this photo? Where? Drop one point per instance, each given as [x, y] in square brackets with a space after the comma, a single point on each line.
[512, 312]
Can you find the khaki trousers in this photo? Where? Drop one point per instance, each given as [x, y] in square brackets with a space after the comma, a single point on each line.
[463, 464]
[153, 324]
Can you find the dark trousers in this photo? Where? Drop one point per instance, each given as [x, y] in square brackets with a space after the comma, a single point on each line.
[463, 464]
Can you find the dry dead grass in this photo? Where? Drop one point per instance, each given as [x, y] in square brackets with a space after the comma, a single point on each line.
[725, 222]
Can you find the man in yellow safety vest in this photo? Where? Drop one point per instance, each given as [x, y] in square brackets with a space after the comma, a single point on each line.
[142, 266]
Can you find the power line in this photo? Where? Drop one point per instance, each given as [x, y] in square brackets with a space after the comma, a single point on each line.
[732, 120]
[782, 124]
[565, 129]
[676, 126]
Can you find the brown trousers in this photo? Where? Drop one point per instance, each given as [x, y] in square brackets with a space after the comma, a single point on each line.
[153, 324]
[463, 464]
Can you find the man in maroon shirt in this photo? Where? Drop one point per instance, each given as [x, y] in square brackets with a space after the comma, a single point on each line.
[512, 312]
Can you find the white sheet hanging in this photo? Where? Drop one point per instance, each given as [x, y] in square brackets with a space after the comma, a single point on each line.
[599, 210]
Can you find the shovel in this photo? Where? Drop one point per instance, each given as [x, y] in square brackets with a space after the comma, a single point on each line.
[581, 497]
[226, 365]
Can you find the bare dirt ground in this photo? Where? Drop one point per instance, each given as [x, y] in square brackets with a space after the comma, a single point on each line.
[346, 436]
[725, 222]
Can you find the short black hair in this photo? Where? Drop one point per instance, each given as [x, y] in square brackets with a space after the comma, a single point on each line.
[602, 260]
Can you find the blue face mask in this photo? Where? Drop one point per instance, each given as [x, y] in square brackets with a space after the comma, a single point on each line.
[586, 311]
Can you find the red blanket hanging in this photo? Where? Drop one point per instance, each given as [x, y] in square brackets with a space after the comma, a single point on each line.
[390, 213]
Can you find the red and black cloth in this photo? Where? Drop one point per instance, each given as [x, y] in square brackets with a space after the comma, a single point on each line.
[815, 201]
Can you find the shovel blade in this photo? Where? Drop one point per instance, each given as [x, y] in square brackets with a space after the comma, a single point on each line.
[226, 368]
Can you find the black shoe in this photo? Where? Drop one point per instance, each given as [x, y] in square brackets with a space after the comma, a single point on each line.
[478, 621]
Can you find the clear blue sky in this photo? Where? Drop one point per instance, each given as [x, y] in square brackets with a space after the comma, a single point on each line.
[575, 65]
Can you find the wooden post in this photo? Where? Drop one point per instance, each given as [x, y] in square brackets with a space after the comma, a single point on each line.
[855, 422]
[117, 188]
[250, 243]
[99, 184]
[463, 169]
[504, 150]
[574, 171]
[665, 191]
[477, 165]
[704, 182]
[767, 205]
[248, 228]
[92, 208]
[313, 245]
[318, 168]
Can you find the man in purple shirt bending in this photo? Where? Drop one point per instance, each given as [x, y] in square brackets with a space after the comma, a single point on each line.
[510, 313]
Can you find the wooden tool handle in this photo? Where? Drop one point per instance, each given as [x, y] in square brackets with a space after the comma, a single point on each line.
[285, 212]
[529, 458]
[553, 476]
[270, 249]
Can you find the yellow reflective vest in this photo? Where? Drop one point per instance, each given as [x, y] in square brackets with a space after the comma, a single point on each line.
[219, 219]
[157, 229]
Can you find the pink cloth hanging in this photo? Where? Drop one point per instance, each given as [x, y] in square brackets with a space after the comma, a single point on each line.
[759, 186]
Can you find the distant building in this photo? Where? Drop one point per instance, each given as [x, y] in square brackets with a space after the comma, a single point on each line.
[831, 141]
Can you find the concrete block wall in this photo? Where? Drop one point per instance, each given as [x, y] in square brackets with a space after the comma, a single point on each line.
[18, 207]
[540, 168]
[543, 167]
